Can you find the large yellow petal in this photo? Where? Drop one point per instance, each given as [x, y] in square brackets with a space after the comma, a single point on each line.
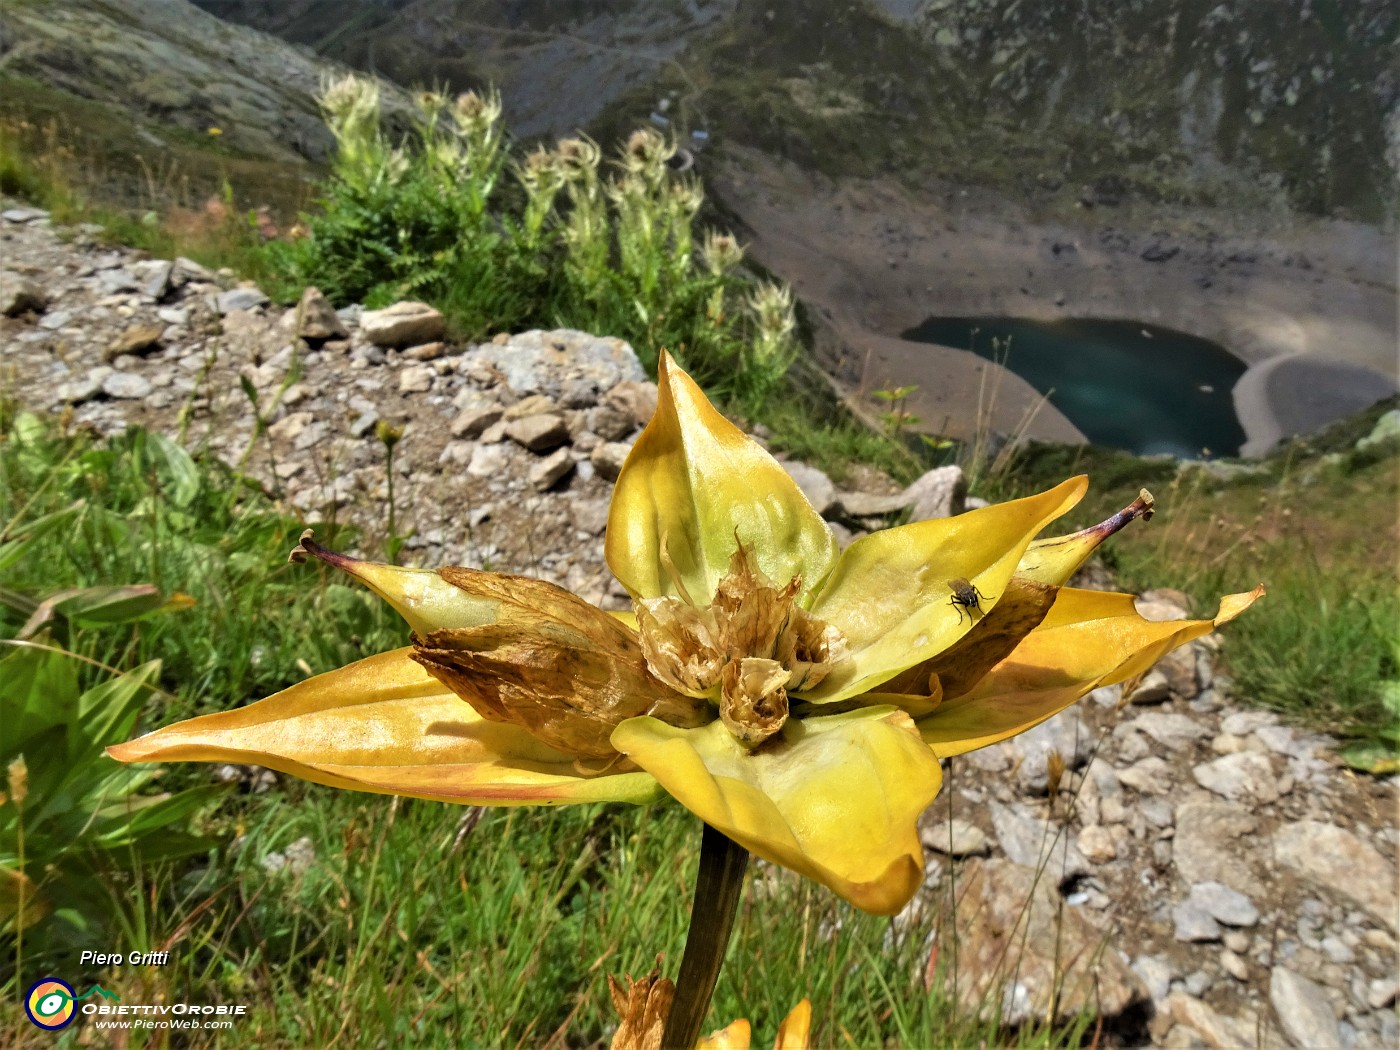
[1089, 639]
[1023, 606]
[1055, 559]
[692, 481]
[833, 798]
[385, 725]
[889, 595]
[423, 597]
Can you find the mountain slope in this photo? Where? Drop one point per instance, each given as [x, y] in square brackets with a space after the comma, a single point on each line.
[155, 76]
[1293, 103]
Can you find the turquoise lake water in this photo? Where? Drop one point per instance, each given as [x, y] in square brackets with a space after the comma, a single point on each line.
[1124, 384]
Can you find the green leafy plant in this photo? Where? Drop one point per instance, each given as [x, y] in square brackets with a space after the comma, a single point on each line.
[73, 820]
[897, 417]
[552, 239]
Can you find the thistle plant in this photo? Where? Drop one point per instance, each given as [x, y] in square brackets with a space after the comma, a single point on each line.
[607, 247]
[543, 175]
[772, 350]
[796, 699]
[350, 105]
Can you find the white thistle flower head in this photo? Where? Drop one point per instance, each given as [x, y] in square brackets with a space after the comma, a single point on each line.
[477, 113]
[578, 157]
[342, 96]
[646, 152]
[772, 305]
[721, 252]
[687, 196]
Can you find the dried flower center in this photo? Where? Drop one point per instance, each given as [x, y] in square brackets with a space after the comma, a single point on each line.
[748, 648]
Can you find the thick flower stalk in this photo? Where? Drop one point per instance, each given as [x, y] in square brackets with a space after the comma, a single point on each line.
[796, 698]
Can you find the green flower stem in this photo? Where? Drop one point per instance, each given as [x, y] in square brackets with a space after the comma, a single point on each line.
[717, 888]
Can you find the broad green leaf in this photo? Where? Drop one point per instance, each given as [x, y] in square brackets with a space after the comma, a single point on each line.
[177, 465]
[38, 691]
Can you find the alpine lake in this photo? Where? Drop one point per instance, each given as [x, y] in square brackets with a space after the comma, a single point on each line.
[1124, 384]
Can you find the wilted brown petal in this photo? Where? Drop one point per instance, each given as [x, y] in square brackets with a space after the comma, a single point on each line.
[552, 664]
[753, 642]
[681, 644]
[753, 705]
[808, 648]
[643, 1008]
[749, 610]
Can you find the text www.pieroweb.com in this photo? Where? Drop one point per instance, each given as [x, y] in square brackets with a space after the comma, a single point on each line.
[148, 1017]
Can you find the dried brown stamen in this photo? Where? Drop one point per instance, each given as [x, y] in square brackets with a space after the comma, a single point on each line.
[744, 651]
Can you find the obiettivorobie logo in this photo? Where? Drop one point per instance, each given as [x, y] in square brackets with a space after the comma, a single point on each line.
[51, 1003]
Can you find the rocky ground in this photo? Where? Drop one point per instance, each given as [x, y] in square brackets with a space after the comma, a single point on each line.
[1196, 872]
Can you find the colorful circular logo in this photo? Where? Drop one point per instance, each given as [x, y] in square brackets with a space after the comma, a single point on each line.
[50, 1005]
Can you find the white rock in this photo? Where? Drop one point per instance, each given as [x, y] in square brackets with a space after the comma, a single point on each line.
[1243, 775]
[1242, 723]
[1096, 843]
[403, 324]
[538, 433]
[1065, 734]
[457, 453]
[549, 470]
[1170, 729]
[1152, 606]
[958, 838]
[126, 386]
[290, 427]
[1224, 904]
[1335, 859]
[1382, 992]
[1234, 965]
[1150, 776]
[940, 493]
[1303, 1010]
[1107, 695]
[1219, 1031]
[488, 461]
[240, 299]
[608, 458]
[1153, 689]
[1214, 843]
[416, 379]
[1192, 923]
[1237, 941]
[19, 294]
[85, 387]
[1156, 974]
[1035, 843]
[316, 320]
[815, 485]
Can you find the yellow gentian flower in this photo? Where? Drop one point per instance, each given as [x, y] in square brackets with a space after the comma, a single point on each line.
[795, 698]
